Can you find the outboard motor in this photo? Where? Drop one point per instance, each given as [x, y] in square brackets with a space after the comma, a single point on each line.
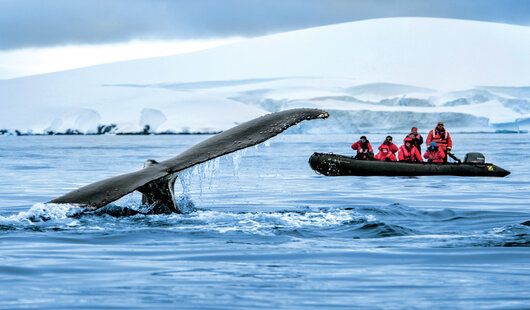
[474, 158]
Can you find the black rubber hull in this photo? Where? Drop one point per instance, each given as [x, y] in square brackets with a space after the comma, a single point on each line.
[338, 165]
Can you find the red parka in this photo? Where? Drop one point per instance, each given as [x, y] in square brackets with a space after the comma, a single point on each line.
[442, 139]
[437, 156]
[358, 146]
[411, 155]
[417, 140]
[390, 146]
[388, 156]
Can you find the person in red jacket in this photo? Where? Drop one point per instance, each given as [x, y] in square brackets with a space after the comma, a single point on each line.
[390, 146]
[363, 148]
[442, 139]
[409, 152]
[417, 139]
[385, 154]
[434, 154]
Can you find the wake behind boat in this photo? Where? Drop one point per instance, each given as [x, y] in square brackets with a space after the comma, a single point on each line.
[339, 165]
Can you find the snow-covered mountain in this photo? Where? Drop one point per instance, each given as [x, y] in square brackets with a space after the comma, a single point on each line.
[373, 75]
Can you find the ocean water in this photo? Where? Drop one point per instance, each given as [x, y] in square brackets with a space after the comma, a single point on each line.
[262, 230]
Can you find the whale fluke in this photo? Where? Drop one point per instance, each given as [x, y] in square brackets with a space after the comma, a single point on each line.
[156, 179]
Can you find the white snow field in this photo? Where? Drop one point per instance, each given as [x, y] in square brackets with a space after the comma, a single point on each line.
[374, 75]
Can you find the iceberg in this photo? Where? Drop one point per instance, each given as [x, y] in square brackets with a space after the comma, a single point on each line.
[380, 74]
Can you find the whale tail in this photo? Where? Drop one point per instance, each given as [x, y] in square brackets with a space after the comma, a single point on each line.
[155, 181]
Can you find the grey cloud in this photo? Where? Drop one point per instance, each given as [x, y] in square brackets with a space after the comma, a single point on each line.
[31, 23]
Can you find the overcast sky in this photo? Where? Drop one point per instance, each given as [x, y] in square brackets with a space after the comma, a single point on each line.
[50, 25]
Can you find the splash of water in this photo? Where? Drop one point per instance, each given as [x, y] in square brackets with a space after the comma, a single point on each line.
[236, 160]
[203, 176]
[206, 173]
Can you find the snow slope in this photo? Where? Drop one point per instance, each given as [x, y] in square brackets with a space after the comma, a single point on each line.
[381, 74]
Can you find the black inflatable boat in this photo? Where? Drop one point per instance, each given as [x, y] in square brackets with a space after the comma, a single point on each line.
[337, 165]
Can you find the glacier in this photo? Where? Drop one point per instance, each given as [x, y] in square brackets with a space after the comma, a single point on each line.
[380, 75]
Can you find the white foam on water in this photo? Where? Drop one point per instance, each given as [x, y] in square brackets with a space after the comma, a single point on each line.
[40, 213]
[266, 223]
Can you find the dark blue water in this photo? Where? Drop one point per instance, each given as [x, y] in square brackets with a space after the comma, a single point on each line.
[263, 230]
